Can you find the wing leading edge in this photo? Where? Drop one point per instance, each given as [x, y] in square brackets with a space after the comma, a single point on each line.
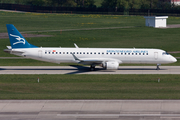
[95, 61]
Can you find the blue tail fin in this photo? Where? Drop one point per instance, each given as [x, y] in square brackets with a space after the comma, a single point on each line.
[16, 39]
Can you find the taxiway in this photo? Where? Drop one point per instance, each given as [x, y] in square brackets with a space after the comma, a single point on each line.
[90, 109]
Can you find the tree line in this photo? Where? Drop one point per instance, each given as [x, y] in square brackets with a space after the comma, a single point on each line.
[122, 4]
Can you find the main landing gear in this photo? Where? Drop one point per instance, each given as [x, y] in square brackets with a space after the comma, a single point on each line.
[92, 68]
[158, 67]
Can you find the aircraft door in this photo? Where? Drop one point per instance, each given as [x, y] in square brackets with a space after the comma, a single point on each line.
[40, 53]
[155, 55]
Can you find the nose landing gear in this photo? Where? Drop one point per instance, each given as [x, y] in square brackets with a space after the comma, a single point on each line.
[158, 67]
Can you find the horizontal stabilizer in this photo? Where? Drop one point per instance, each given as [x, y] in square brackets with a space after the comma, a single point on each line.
[12, 51]
[9, 47]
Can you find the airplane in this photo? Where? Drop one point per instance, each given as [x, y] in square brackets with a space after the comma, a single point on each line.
[108, 58]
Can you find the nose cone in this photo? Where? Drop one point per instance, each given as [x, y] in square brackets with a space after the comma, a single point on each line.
[173, 59]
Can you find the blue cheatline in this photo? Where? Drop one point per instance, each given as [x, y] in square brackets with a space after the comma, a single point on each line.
[16, 39]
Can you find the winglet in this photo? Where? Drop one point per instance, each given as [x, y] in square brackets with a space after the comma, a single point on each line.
[76, 45]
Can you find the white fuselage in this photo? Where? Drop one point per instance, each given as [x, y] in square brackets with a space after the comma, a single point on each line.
[121, 55]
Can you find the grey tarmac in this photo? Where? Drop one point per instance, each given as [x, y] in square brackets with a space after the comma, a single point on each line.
[90, 109]
[86, 70]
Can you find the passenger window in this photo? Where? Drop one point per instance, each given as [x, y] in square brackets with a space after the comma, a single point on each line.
[128, 53]
[146, 53]
[125, 53]
[59, 52]
[107, 53]
[77, 52]
[111, 53]
[136, 53]
[98, 53]
[63, 52]
[49, 52]
[103, 53]
[80, 52]
[114, 53]
[121, 53]
[83, 52]
[94, 53]
[45, 52]
[132, 53]
[139, 53]
[56, 52]
[87, 53]
[143, 53]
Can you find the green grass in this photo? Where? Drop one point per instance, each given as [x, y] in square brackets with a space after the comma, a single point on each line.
[42, 21]
[90, 87]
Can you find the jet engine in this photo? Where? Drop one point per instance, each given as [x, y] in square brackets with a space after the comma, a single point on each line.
[111, 65]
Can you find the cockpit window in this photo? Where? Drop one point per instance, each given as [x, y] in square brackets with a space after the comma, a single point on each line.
[165, 53]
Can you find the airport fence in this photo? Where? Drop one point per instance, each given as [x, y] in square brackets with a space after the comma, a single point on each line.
[89, 10]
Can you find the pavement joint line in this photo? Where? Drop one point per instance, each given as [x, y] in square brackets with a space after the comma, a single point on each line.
[118, 115]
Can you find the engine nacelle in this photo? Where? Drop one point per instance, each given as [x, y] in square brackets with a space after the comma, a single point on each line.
[111, 65]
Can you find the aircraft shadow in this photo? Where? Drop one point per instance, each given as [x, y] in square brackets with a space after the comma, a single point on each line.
[83, 69]
[139, 69]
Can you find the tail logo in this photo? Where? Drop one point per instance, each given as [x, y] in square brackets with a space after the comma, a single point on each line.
[20, 40]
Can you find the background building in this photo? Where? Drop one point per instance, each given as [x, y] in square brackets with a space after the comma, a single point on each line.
[175, 2]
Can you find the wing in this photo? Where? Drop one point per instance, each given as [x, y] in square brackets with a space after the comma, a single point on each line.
[90, 61]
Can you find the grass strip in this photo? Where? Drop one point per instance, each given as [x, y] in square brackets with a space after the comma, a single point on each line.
[89, 87]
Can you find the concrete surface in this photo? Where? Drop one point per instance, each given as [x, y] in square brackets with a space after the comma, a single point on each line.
[90, 109]
[86, 70]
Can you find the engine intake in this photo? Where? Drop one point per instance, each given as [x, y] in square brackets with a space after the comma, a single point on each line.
[111, 65]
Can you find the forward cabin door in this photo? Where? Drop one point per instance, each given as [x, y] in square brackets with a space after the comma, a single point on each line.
[155, 55]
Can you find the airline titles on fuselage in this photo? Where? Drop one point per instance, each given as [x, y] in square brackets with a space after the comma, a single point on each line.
[127, 51]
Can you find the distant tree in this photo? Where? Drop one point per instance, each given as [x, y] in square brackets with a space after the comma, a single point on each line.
[57, 3]
[70, 3]
[134, 4]
[85, 3]
[164, 5]
[126, 4]
[36, 2]
[153, 4]
[122, 4]
[144, 4]
[110, 3]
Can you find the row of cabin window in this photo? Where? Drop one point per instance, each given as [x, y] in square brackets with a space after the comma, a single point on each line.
[97, 53]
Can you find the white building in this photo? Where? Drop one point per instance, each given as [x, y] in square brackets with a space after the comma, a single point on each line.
[175, 2]
[156, 21]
